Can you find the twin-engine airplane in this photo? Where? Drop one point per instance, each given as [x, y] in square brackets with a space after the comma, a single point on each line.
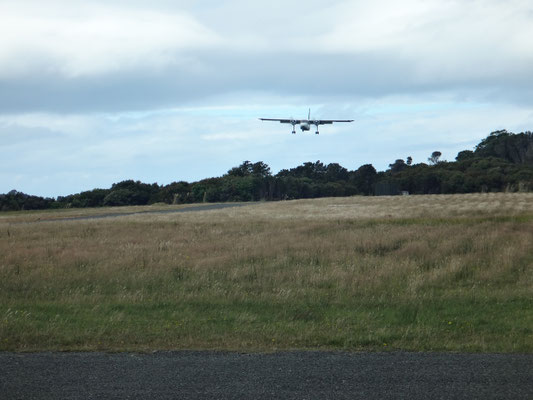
[305, 124]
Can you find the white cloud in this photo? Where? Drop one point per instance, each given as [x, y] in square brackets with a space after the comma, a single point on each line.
[106, 56]
[439, 39]
[78, 38]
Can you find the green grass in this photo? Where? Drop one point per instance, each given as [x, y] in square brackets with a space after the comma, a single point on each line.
[242, 280]
[434, 325]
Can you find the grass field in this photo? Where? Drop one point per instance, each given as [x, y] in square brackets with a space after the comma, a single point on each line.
[428, 273]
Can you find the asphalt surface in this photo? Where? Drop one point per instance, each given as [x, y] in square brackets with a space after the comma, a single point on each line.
[202, 207]
[285, 375]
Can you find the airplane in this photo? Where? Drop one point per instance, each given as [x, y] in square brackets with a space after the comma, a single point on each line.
[305, 124]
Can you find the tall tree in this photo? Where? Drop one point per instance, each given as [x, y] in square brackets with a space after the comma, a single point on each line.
[398, 166]
[434, 159]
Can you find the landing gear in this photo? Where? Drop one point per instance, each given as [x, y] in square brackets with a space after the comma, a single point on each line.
[316, 133]
[294, 132]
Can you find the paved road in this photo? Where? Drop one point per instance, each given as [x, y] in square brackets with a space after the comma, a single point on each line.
[286, 375]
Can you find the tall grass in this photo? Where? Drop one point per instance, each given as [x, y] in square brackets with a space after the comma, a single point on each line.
[450, 273]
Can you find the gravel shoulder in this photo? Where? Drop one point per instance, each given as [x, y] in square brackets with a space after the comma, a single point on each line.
[285, 375]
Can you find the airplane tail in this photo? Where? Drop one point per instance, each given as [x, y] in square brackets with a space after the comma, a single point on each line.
[309, 115]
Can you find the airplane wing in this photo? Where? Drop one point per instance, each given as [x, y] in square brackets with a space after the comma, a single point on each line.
[283, 121]
[329, 121]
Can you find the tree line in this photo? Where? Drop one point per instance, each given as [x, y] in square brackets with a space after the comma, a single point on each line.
[503, 161]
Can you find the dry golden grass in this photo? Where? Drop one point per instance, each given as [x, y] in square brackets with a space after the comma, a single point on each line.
[359, 207]
[415, 272]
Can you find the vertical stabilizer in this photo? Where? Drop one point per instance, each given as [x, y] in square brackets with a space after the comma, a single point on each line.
[309, 115]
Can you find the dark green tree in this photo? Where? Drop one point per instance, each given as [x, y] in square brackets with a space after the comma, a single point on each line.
[364, 179]
[434, 159]
[398, 166]
[465, 155]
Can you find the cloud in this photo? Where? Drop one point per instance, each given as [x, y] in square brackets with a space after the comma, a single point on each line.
[54, 154]
[441, 41]
[95, 92]
[80, 39]
[105, 56]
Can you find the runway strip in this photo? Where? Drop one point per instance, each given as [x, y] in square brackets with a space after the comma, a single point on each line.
[203, 207]
[284, 375]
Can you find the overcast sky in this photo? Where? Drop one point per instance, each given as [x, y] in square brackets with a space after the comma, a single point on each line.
[95, 92]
